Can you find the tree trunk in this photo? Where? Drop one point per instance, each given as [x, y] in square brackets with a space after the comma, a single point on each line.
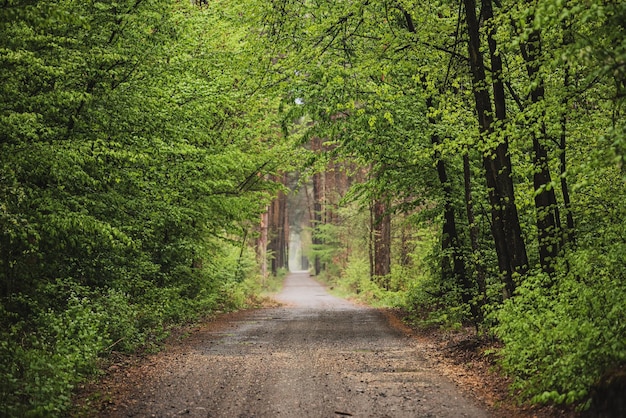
[262, 245]
[279, 231]
[405, 248]
[505, 227]
[450, 237]
[318, 209]
[382, 240]
[370, 241]
[452, 261]
[481, 274]
[548, 223]
[569, 233]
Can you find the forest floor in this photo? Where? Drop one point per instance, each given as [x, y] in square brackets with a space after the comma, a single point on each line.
[311, 355]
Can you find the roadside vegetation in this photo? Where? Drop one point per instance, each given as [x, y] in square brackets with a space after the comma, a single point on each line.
[134, 158]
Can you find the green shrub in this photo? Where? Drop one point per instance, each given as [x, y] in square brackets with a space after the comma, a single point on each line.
[50, 344]
[430, 305]
[39, 369]
[560, 335]
[354, 281]
[355, 277]
[121, 322]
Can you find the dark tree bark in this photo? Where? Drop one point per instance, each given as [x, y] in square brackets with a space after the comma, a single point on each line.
[370, 241]
[505, 227]
[405, 247]
[279, 231]
[452, 261]
[6, 278]
[548, 222]
[381, 228]
[569, 233]
[479, 266]
[262, 244]
[333, 192]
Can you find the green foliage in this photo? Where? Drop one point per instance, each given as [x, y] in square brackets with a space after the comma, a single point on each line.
[39, 369]
[388, 87]
[429, 300]
[134, 147]
[43, 357]
[561, 337]
[331, 249]
[354, 282]
[136, 137]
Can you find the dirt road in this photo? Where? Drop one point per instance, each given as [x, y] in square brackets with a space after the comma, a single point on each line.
[316, 356]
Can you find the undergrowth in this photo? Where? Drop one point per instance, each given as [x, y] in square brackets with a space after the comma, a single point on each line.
[46, 354]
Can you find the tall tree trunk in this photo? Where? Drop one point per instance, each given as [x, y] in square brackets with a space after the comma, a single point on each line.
[382, 239]
[317, 219]
[318, 208]
[479, 266]
[279, 231]
[505, 199]
[405, 248]
[332, 192]
[262, 245]
[505, 227]
[370, 241]
[452, 262]
[7, 281]
[548, 222]
[450, 238]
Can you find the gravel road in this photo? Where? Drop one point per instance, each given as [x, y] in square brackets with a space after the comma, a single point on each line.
[315, 356]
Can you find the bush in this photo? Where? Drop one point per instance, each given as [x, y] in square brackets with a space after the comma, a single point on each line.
[39, 367]
[430, 305]
[562, 334]
[49, 344]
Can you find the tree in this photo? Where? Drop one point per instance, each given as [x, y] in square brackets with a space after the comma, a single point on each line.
[135, 141]
[510, 247]
[279, 227]
[381, 239]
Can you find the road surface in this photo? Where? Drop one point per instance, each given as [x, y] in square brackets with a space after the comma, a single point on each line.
[315, 356]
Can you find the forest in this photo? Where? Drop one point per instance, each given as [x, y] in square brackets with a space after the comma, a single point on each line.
[461, 160]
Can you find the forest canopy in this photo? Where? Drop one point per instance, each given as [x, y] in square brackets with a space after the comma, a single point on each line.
[465, 161]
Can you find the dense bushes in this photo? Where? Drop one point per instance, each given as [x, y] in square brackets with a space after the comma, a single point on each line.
[561, 335]
[44, 354]
[42, 358]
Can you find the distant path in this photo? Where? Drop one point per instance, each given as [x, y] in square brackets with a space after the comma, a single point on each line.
[317, 356]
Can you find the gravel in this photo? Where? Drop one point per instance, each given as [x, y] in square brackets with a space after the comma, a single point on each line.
[314, 356]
